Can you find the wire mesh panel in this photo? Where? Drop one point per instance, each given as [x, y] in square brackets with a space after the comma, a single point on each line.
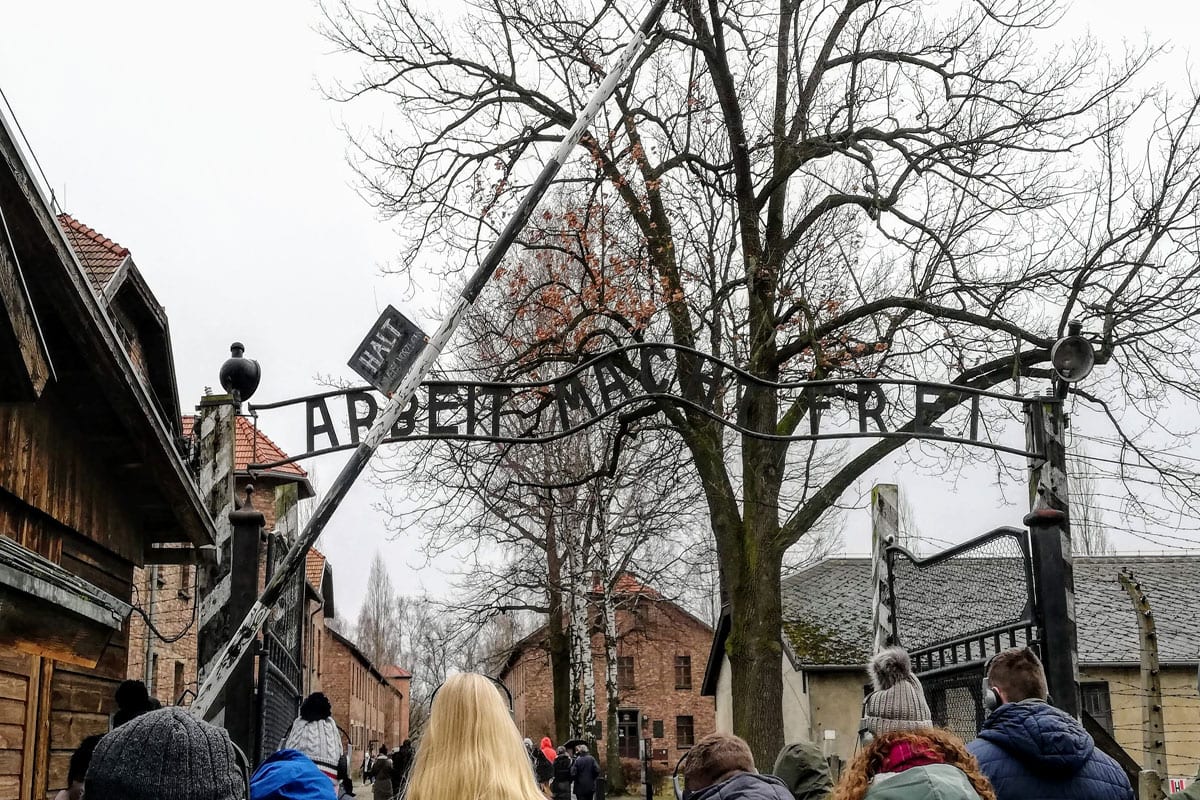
[956, 609]
[280, 677]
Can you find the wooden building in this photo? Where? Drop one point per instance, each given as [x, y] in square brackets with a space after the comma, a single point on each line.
[93, 483]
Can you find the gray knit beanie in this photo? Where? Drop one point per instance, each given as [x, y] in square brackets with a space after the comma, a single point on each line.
[898, 702]
[165, 754]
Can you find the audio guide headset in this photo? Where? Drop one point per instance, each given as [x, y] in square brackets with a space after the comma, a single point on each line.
[991, 697]
[678, 782]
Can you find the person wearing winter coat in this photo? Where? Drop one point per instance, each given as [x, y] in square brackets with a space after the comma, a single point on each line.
[585, 771]
[803, 769]
[290, 775]
[721, 767]
[543, 765]
[401, 763]
[315, 734]
[902, 756]
[1031, 750]
[381, 774]
[560, 786]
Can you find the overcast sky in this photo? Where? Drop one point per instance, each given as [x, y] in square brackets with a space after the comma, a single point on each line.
[196, 135]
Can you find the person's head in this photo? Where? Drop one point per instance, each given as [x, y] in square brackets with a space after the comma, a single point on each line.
[581, 750]
[802, 766]
[315, 734]
[528, 744]
[1017, 675]
[78, 766]
[166, 753]
[925, 746]
[471, 747]
[383, 751]
[898, 702]
[714, 759]
[562, 751]
[133, 700]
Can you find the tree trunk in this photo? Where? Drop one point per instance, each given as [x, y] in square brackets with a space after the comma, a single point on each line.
[616, 775]
[756, 654]
[557, 642]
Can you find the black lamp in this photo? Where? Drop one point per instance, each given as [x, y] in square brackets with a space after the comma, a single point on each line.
[240, 375]
[1071, 358]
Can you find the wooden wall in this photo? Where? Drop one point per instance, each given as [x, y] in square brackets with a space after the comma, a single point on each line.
[47, 707]
[50, 465]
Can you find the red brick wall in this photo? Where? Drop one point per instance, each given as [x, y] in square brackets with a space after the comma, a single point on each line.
[168, 594]
[366, 707]
[653, 634]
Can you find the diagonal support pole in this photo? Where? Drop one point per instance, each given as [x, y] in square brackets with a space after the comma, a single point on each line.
[239, 645]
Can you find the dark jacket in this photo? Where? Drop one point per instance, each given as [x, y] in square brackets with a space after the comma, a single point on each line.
[1034, 751]
[561, 787]
[585, 770]
[746, 786]
[381, 771]
[542, 766]
[803, 769]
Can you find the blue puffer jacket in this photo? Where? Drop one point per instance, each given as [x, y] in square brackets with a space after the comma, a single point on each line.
[1034, 751]
[746, 786]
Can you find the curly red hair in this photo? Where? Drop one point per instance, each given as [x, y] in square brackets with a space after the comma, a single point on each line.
[869, 761]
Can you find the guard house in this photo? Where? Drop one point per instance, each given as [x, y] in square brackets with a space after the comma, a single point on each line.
[92, 480]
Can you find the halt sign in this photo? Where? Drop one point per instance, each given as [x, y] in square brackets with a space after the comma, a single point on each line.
[389, 350]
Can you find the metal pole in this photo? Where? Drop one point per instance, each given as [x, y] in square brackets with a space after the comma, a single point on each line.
[239, 645]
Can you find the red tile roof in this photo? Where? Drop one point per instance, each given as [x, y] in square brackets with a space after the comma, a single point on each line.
[394, 671]
[314, 567]
[253, 447]
[101, 257]
[626, 584]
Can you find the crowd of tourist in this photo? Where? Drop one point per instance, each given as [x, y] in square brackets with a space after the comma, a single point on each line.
[471, 749]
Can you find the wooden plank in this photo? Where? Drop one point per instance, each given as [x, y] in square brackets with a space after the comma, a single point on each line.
[10, 763]
[68, 729]
[81, 693]
[33, 677]
[41, 743]
[13, 687]
[12, 737]
[60, 767]
[12, 712]
[11, 786]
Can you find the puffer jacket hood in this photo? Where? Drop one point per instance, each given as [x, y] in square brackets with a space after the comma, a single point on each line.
[803, 769]
[746, 786]
[1033, 751]
[931, 782]
[290, 775]
[1043, 738]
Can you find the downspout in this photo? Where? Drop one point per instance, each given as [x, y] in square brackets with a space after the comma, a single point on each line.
[148, 662]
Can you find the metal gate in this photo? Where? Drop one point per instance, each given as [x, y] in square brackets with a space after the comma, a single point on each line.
[279, 672]
[955, 610]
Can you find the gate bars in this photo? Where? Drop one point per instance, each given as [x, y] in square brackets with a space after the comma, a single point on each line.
[239, 645]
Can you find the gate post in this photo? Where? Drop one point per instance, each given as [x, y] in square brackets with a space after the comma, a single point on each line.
[247, 525]
[1054, 579]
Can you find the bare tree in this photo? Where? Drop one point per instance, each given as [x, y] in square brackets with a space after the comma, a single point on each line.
[837, 188]
[378, 632]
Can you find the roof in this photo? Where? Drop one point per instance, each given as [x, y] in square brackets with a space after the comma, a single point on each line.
[627, 585]
[392, 672]
[314, 567]
[827, 608]
[100, 256]
[252, 446]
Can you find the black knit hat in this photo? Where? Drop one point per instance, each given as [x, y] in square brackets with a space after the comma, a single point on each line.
[165, 754]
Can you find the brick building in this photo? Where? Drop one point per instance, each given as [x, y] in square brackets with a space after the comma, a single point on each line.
[661, 651]
[370, 707]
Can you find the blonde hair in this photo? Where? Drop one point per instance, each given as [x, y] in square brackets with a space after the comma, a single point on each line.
[471, 749]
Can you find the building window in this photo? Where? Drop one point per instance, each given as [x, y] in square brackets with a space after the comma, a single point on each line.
[657, 727]
[185, 581]
[683, 672]
[153, 674]
[178, 684]
[685, 732]
[625, 672]
[627, 733]
[1096, 701]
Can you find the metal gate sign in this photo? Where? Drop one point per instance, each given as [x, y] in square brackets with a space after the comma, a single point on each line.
[388, 351]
